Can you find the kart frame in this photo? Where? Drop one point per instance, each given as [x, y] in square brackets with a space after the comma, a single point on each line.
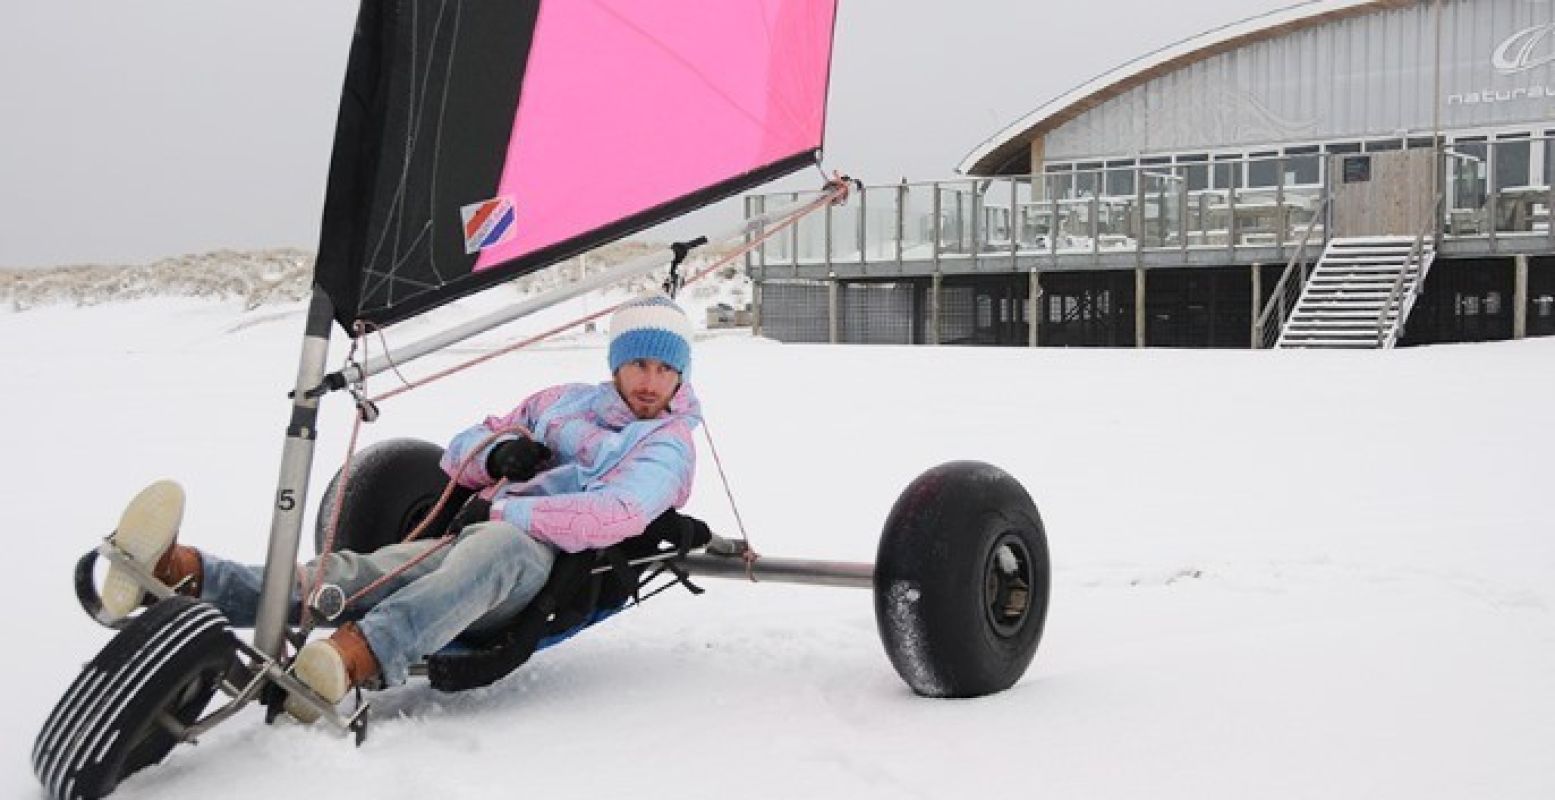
[244, 684]
[267, 661]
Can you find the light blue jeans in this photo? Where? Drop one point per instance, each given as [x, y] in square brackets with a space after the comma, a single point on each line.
[480, 581]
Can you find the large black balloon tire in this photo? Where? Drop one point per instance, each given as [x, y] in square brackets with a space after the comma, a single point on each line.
[169, 660]
[392, 486]
[962, 581]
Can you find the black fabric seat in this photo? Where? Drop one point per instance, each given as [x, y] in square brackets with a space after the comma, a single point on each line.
[573, 598]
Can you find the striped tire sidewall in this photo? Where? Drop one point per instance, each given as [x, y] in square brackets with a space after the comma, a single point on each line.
[92, 711]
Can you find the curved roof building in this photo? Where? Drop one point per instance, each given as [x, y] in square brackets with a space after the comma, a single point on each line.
[1331, 71]
[1283, 181]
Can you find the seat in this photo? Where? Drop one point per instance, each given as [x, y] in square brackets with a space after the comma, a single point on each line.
[583, 589]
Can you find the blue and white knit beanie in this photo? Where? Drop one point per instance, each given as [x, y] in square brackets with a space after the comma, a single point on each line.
[651, 327]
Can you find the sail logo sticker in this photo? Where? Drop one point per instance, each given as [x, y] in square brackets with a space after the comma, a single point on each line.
[487, 223]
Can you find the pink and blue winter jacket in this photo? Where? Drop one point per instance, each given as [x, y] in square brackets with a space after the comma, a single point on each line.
[611, 473]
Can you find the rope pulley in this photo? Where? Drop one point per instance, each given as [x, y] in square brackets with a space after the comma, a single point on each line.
[366, 409]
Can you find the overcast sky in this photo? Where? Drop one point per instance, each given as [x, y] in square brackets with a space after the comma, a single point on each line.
[135, 131]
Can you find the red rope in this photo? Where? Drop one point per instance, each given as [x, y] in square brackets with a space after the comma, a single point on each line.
[442, 541]
[340, 491]
[415, 533]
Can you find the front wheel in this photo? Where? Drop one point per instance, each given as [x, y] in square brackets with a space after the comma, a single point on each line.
[155, 675]
[962, 581]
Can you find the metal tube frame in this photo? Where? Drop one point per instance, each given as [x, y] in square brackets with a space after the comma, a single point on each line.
[782, 570]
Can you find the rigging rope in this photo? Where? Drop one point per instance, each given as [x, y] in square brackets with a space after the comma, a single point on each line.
[747, 553]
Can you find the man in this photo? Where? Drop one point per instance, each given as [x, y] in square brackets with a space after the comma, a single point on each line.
[574, 467]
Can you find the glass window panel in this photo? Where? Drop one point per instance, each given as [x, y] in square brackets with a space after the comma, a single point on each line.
[1263, 170]
[1467, 165]
[1549, 157]
[1512, 163]
[1085, 184]
[1087, 179]
[1060, 186]
[1196, 176]
[1193, 172]
[1228, 174]
[1303, 170]
[1120, 178]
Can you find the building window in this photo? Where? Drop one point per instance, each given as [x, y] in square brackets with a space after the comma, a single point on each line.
[1194, 171]
[1058, 181]
[1549, 157]
[1087, 179]
[1384, 145]
[1512, 160]
[1263, 170]
[1120, 178]
[1228, 175]
[1156, 173]
[1343, 147]
[1467, 164]
[1303, 166]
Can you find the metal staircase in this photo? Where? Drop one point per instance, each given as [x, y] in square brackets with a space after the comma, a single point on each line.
[1360, 293]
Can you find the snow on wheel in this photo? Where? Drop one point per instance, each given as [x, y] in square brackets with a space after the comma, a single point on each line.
[961, 581]
[393, 484]
[164, 666]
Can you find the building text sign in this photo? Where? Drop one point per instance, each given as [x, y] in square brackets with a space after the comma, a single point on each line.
[1523, 51]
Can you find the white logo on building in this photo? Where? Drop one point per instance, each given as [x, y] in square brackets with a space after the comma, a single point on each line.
[1529, 48]
[1521, 52]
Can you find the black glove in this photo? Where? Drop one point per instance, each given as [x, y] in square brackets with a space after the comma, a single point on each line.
[517, 460]
[685, 532]
[697, 534]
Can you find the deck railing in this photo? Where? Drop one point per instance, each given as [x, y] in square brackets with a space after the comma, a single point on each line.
[1228, 205]
[1398, 300]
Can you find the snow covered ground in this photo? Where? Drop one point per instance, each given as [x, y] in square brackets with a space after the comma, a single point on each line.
[1277, 575]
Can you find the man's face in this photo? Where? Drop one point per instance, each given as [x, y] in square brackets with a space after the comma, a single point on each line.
[647, 384]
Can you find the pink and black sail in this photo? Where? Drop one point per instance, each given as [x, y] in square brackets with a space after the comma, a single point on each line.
[479, 140]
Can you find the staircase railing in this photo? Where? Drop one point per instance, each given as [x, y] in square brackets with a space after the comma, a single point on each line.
[1287, 291]
[1387, 335]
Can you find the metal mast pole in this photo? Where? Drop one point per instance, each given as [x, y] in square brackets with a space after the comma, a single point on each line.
[291, 493]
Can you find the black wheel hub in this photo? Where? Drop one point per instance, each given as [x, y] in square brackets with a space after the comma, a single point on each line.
[1007, 581]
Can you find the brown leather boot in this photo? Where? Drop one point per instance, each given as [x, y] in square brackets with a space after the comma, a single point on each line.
[181, 569]
[332, 667]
